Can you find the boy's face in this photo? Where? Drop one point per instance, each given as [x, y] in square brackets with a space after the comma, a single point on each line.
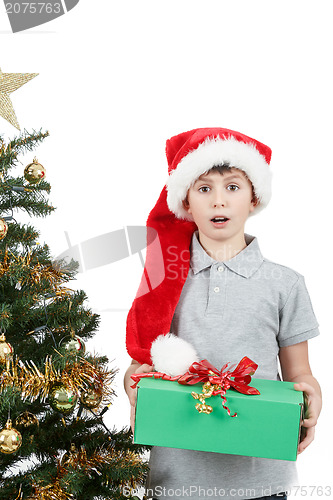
[214, 196]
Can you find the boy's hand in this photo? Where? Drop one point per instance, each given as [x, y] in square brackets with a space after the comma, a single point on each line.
[132, 393]
[312, 410]
[295, 367]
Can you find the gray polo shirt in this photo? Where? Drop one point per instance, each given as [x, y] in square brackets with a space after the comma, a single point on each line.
[246, 306]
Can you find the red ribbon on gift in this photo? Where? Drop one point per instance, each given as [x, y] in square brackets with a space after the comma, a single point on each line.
[204, 371]
[137, 376]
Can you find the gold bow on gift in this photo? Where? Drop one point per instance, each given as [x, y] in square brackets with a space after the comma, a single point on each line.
[219, 381]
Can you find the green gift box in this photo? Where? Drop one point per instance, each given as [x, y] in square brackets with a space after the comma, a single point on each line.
[266, 425]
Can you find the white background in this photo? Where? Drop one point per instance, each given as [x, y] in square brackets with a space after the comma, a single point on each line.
[116, 79]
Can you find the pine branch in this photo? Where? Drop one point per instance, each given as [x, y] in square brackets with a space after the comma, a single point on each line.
[33, 203]
[24, 142]
[19, 234]
[5, 316]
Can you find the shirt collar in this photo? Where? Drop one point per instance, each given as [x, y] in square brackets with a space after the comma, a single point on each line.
[245, 263]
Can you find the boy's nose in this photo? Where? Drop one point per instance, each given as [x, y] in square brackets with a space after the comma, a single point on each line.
[218, 197]
[218, 201]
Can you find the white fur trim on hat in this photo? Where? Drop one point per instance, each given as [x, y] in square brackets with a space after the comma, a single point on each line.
[214, 152]
[172, 355]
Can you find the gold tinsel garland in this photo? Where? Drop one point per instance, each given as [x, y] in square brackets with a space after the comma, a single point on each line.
[4, 265]
[78, 375]
[50, 492]
[90, 466]
[35, 272]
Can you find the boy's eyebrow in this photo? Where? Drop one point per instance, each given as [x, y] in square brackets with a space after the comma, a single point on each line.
[235, 176]
[231, 176]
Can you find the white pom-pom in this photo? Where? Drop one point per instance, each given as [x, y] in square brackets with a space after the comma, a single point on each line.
[172, 355]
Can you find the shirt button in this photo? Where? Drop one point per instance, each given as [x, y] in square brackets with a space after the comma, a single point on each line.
[217, 289]
[220, 269]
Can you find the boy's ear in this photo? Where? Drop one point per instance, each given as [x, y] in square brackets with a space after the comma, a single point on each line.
[255, 202]
[186, 204]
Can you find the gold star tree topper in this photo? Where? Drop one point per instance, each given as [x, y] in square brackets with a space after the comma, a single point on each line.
[9, 82]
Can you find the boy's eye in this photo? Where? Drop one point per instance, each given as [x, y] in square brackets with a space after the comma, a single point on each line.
[204, 189]
[232, 187]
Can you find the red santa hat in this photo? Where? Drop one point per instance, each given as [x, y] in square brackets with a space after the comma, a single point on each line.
[189, 155]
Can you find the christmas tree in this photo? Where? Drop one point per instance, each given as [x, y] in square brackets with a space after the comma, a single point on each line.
[53, 395]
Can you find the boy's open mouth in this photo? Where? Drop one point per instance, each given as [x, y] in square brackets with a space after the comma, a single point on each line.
[219, 220]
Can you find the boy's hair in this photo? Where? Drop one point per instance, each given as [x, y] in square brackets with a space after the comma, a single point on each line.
[221, 168]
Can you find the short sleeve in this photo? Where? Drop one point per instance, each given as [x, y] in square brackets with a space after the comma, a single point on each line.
[297, 319]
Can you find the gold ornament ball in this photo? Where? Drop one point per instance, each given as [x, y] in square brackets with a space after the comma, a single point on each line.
[6, 350]
[10, 439]
[34, 172]
[26, 419]
[3, 229]
[74, 345]
[91, 398]
[62, 398]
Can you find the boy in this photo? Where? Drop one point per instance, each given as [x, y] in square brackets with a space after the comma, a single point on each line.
[225, 299]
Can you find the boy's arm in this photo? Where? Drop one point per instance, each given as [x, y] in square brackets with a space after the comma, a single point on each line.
[134, 367]
[295, 367]
[128, 381]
